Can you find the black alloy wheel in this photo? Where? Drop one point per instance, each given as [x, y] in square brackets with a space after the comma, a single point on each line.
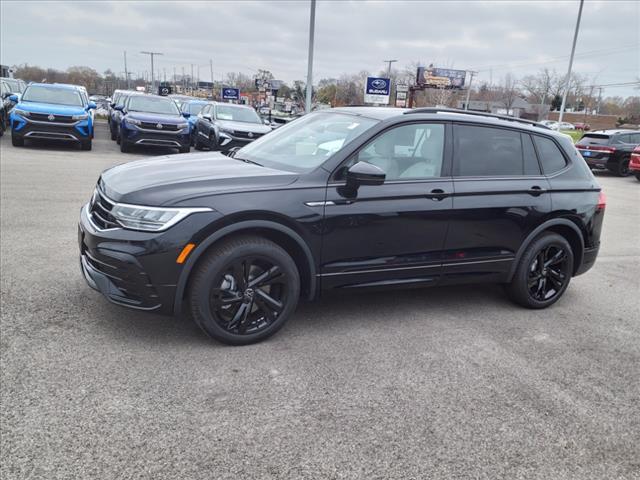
[543, 272]
[244, 290]
[548, 273]
[249, 296]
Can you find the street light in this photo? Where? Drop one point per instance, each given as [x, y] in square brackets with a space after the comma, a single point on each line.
[389, 62]
[151, 54]
[573, 50]
[312, 24]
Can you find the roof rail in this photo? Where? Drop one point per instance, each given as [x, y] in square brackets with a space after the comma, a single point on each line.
[475, 113]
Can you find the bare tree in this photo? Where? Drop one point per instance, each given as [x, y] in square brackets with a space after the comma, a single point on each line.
[509, 92]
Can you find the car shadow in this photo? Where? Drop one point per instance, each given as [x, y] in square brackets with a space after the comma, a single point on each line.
[347, 311]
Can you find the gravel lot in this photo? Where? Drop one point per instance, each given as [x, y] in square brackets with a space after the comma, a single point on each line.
[439, 383]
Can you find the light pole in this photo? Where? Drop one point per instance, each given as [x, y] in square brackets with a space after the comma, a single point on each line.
[312, 25]
[151, 54]
[573, 50]
[389, 62]
[466, 103]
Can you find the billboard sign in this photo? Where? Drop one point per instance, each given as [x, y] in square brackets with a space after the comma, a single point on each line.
[229, 93]
[432, 77]
[377, 90]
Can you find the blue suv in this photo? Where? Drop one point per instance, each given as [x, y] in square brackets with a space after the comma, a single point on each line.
[152, 120]
[190, 110]
[52, 112]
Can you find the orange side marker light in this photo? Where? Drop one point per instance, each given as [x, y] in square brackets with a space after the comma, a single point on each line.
[185, 252]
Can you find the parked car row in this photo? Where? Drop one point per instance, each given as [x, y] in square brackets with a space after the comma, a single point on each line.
[8, 88]
[609, 149]
[565, 126]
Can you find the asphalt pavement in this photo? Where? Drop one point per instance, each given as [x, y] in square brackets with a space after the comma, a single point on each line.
[438, 383]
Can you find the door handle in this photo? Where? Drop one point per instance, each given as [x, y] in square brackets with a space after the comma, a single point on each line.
[536, 190]
[437, 194]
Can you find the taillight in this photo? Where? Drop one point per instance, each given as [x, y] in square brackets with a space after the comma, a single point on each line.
[597, 148]
[602, 201]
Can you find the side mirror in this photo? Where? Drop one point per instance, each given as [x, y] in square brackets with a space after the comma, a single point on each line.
[206, 116]
[120, 108]
[112, 105]
[363, 173]
[266, 121]
[14, 98]
[91, 106]
[186, 114]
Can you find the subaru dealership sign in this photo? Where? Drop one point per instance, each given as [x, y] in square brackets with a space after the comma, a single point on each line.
[230, 93]
[377, 90]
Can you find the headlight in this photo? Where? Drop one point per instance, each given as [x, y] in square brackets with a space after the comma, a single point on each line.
[182, 125]
[132, 121]
[22, 113]
[151, 219]
[227, 130]
[82, 116]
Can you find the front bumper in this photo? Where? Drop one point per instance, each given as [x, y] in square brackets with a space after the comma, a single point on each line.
[135, 269]
[143, 137]
[70, 132]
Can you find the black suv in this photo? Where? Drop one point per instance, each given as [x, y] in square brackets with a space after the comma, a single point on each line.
[340, 199]
[609, 149]
[223, 126]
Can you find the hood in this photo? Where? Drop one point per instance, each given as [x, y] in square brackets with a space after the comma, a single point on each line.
[156, 117]
[168, 180]
[36, 107]
[244, 126]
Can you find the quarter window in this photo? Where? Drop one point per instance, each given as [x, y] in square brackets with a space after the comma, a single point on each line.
[550, 155]
[486, 151]
[408, 152]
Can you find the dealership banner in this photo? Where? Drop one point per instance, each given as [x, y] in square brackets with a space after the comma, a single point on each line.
[377, 90]
[230, 93]
[440, 77]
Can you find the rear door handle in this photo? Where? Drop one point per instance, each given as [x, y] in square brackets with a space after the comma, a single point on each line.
[536, 190]
[437, 194]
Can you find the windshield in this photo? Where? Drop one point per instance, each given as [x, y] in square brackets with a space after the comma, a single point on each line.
[194, 108]
[307, 142]
[593, 139]
[237, 114]
[56, 96]
[148, 104]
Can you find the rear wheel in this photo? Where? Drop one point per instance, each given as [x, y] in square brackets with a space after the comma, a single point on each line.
[543, 273]
[244, 290]
[16, 140]
[621, 168]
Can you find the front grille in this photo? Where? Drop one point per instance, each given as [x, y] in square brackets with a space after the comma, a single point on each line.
[253, 135]
[44, 117]
[100, 211]
[154, 126]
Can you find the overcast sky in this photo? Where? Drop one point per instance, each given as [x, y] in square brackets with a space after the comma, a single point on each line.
[518, 37]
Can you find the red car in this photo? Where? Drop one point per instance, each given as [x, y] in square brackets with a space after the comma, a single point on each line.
[634, 163]
[582, 126]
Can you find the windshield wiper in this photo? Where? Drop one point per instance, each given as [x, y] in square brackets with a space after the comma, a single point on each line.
[246, 160]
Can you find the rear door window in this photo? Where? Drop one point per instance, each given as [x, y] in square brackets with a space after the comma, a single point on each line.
[487, 151]
[550, 156]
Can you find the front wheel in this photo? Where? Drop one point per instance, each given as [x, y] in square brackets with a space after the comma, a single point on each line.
[16, 140]
[185, 149]
[638, 176]
[86, 144]
[244, 290]
[543, 273]
[124, 145]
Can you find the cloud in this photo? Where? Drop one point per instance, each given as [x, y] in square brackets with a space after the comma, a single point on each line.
[351, 36]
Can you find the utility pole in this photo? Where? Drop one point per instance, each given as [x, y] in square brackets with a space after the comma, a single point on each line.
[211, 69]
[466, 103]
[174, 78]
[152, 54]
[312, 26]
[126, 73]
[573, 51]
[599, 100]
[183, 85]
[389, 62]
[191, 79]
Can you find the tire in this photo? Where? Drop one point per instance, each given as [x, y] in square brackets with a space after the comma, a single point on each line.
[621, 169]
[185, 149]
[17, 140]
[228, 306]
[124, 145]
[86, 144]
[213, 143]
[113, 134]
[638, 176]
[537, 283]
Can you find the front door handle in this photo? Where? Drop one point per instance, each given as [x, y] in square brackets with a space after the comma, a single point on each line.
[437, 194]
[536, 190]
